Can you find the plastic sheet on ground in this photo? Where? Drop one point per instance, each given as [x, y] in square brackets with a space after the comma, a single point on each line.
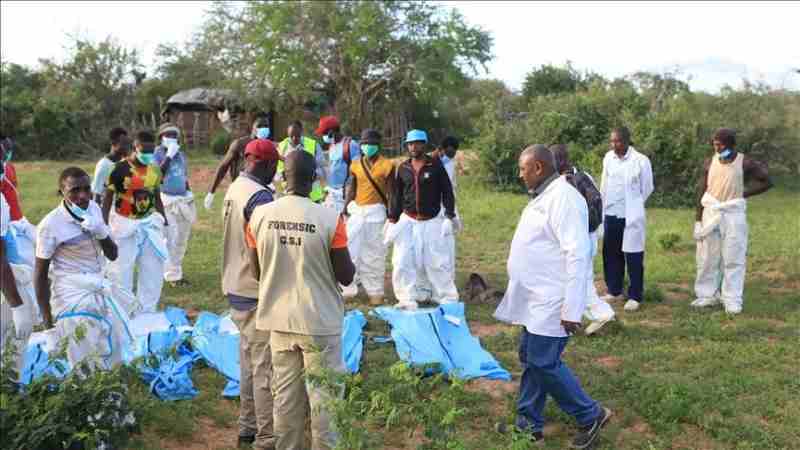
[217, 342]
[353, 340]
[441, 336]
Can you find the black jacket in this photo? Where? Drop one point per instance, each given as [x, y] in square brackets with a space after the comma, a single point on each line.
[422, 194]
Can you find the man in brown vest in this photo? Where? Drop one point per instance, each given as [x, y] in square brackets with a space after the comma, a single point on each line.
[721, 224]
[301, 254]
[240, 285]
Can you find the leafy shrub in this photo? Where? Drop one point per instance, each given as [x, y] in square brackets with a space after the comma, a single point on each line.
[85, 410]
[667, 241]
[219, 142]
[405, 399]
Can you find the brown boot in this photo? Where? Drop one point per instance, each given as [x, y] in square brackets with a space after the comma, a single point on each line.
[376, 300]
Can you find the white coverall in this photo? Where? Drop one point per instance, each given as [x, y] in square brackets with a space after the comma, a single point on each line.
[596, 309]
[721, 253]
[366, 247]
[101, 308]
[420, 251]
[181, 214]
[140, 244]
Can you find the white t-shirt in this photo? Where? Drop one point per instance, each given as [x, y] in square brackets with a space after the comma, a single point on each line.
[548, 263]
[70, 248]
[101, 172]
[614, 170]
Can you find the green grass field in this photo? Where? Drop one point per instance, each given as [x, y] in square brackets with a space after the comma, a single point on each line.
[675, 378]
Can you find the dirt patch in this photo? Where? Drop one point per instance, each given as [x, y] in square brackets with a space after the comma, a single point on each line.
[485, 330]
[497, 389]
[609, 362]
[207, 436]
[694, 438]
[655, 323]
[200, 179]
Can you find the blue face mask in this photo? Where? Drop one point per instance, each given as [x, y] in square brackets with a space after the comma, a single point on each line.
[145, 158]
[328, 139]
[167, 141]
[725, 154]
[75, 209]
[262, 133]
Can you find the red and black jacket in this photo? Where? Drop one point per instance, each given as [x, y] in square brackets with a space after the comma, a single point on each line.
[422, 195]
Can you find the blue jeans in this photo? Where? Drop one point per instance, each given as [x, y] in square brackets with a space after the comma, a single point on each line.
[543, 374]
[615, 260]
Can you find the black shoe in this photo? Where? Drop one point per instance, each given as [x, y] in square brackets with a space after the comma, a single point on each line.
[588, 434]
[179, 283]
[535, 436]
[246, 441]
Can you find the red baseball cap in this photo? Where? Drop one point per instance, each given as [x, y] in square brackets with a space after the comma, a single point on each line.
[325, 124]
[263, 149]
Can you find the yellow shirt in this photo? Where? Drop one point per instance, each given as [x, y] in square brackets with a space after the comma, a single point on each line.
[380, 170]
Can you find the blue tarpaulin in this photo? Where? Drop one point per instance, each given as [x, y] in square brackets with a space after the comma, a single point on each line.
[441, 336]
[219, 349]
[353, 339]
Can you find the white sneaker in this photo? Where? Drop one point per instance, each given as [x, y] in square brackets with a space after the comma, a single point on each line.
[608, 298]
[705, 302]
[596, 325]
[732, 308]
[631, 305]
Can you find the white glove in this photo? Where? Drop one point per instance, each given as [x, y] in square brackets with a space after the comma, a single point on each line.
[23, 320]
[447, 227]
[209, 201]
[459, 225]
[173, 149]
[96, 226]
[698, 231]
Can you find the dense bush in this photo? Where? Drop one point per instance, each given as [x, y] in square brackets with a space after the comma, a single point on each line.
[670, 124]
[219, 142]
[85, 410]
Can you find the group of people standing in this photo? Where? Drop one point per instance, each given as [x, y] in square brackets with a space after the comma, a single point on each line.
[306, 223]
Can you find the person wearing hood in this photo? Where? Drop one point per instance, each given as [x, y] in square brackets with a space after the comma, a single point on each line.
[233, 162]
[721, 222]
[178, 201]
[626, 183]
[365, 205]
[132, 208]
[422, 237]
[74, 295]
[342, 151]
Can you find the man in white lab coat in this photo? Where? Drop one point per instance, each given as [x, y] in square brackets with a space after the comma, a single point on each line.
[626, 183]
[547, 271]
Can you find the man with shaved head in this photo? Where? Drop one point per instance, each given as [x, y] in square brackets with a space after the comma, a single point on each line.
[721, 226]
[299, 255]
[598, 312]
[547, 280]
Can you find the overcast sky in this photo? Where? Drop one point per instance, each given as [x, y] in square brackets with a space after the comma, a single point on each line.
[711, 43]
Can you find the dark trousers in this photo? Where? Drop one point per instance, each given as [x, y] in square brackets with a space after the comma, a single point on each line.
[545, 374]
[615, 260]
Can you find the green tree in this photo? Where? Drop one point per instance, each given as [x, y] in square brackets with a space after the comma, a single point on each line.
[359, 55]
[548, 79]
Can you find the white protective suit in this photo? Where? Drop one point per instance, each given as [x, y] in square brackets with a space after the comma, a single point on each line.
[366, 247]
[182, 214]
[420, 251]
[638, 187]
[721, 253]
[102, 310]
[334, 199]
[140, 244]
[596, 309]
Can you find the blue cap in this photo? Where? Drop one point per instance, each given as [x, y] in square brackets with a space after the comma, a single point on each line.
[416, 135]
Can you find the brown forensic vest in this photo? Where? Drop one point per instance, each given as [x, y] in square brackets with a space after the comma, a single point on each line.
[726, 181]
[237, 274]
[298, 291]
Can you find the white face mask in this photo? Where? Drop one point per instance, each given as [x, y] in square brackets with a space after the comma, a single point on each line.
[328, 139]
[166, 141]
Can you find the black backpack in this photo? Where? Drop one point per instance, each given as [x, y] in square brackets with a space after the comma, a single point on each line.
[594, 200]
